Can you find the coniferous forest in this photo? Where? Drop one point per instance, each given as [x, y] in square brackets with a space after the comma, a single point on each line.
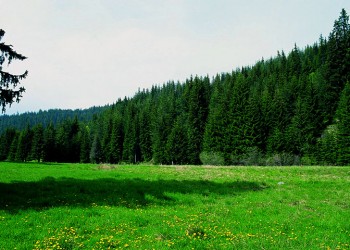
[291, 109]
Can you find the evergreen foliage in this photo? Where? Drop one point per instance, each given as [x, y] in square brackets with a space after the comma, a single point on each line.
[343, 124]
[9, 82]
[24, 145]
[45, 118]
[5, 142]
[49, 154]
[37, 149]
[290, 109]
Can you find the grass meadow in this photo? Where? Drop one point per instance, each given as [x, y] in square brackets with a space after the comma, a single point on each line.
[85, 206]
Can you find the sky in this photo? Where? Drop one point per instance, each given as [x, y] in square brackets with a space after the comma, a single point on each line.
[84, 53]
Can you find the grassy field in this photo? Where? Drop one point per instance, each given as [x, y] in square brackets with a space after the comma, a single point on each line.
[79, 206]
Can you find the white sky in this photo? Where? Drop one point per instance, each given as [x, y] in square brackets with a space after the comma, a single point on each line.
[84, 53]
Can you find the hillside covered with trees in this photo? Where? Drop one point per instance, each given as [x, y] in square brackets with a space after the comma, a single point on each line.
[293, 108]
[45, 117]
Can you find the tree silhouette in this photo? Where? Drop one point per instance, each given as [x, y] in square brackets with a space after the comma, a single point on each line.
[9, 82]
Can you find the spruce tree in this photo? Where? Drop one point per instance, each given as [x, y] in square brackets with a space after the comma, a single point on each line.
[255, 120]
[50, 154]
[13, 148]
[267, 117]
[328, 146]
[24, 145]
[178, 143]
[8, 82]
[104, 132]
[85, 144]
[130, 146]
[67, 141]
[96, 150]
[343, 124]
[145, 129]
[297, 136]
[5, 142]
[75, 142]
[238, 133]
[197, 96]
[338, 60]
[37, 150]
[216, 125]
[117, 138]
[294, 62]
[163, 119]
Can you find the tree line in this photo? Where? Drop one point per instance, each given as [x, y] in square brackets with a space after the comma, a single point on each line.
[45, 117]
[290, 109]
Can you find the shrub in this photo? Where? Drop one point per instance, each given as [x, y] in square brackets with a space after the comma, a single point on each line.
[283, 159]
[212, 158]
[308, 161]
[253, 157]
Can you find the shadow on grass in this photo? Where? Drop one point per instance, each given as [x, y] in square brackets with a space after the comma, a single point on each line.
[50, 192]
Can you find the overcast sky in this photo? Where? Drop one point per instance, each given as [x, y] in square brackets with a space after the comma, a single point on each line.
[84, 53]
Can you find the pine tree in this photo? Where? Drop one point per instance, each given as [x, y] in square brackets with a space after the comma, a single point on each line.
[5, 142]
[294, 62]
[267, 117]
[328, 146]
[163, 119]
[296, 136]
[216, 125]
[13, 148]
[177, 144]
[67, 141]
[276, 142]
[145, 129]
[85, 144]
[75, 141]
[37, 150]
[49, 154]
[8, 82]
[197, 95]
[130, 143]
[343, 124]
[338, 60]
[96, 150]
[255, 120]
[104, 136]
[117, 138]
[238, 133]
[24, 145]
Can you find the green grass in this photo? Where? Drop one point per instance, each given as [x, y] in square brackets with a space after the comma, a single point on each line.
[80, 206]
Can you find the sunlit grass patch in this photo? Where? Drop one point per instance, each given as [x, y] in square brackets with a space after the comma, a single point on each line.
[75, 206]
